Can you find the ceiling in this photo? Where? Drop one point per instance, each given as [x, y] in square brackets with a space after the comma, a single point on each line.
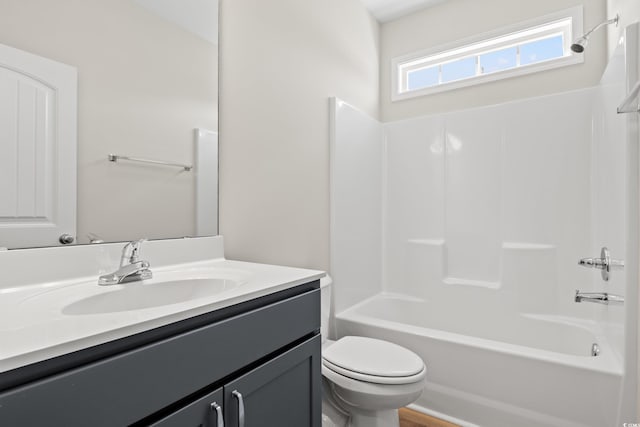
[201, 16]
[388, 10]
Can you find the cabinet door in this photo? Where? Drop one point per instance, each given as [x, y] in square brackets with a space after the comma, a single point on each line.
[284, 392]
[204, 412]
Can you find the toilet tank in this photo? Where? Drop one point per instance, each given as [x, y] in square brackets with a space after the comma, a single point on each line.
[325, 310]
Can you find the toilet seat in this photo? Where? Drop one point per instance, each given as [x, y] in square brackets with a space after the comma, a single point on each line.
[373, 361]
[375, 379]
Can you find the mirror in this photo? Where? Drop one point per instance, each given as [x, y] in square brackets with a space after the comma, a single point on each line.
[147, 89]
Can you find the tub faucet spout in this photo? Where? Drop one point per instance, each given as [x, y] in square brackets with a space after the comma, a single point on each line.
[598, 297]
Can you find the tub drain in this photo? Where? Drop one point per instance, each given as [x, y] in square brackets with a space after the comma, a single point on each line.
[595, 349]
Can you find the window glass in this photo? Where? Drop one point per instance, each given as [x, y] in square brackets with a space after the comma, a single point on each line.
[458, 70]
[542, 50]
[498, 60]
[422, 78]
[535, 46]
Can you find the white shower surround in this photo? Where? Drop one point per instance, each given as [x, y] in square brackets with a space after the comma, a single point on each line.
[461, 233]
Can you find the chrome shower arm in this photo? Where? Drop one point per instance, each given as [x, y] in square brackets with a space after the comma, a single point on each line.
[580, 43]
[602, 24]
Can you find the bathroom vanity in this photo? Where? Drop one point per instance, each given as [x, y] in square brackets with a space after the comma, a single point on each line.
[246, 356]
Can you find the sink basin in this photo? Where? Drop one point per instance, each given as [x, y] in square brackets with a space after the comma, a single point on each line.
[137, 296]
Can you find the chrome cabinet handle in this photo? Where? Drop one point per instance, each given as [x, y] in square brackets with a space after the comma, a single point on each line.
[219, 417]
[238, 396]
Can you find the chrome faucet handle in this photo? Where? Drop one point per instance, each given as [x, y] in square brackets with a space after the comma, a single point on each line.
[605, 263]
[131, 268]
[136, 271]
[591, 262]
[130, 252]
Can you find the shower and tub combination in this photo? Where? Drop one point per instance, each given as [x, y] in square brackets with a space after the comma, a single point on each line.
[465, 238]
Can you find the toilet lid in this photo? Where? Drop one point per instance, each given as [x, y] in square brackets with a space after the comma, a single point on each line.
[368, 359]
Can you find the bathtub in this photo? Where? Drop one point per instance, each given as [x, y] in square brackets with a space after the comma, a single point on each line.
[497, 369]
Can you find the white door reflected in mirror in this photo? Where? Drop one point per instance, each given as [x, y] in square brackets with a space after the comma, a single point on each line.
[38, 121]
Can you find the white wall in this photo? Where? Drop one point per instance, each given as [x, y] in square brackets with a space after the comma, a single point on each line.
[460, 19]
[281, 60]
[144, 85]
[629, 11]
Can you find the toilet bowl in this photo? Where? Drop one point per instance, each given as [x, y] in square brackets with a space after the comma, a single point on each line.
[365, 380]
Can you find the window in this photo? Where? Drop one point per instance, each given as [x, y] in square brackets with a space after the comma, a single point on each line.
[522, 49]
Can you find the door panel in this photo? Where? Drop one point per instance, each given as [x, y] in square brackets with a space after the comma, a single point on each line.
[38, 116]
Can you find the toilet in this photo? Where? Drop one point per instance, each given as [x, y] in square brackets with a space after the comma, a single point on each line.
[365, 380]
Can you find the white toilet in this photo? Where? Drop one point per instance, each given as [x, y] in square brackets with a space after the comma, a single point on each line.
[365, 380]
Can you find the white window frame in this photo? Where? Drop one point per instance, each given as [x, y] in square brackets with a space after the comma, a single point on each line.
[513, 35]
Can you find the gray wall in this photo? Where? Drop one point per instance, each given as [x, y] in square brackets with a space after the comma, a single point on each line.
[281, 60]
[459, 19]
[629, 11]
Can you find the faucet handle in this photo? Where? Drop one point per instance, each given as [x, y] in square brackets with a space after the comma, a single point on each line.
[130, 252]
[604, 263]
[592, 262]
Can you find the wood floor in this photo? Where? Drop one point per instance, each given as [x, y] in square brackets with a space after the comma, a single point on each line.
[410, 418]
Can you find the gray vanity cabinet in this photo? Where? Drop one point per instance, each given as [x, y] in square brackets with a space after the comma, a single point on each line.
[204, 412]
[279, 393]
[282, 392]
[260, 359]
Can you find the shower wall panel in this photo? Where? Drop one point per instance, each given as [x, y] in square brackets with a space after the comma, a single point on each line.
[356, 150]
[472, 189]
[492, 204]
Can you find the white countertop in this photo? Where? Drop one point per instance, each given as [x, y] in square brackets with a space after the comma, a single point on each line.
[38, 321]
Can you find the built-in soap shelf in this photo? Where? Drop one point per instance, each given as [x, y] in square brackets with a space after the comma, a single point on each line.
[469, 282]
[430, 242]
[526, 246]
[517, 259]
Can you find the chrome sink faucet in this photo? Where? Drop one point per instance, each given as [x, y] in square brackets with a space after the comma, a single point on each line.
[131, 268]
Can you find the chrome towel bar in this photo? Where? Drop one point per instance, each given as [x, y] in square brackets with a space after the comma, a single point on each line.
[116, 158]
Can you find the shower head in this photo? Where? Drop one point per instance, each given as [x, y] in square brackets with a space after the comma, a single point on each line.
[580, 43]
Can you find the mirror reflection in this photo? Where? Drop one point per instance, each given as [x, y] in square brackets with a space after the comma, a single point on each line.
[83, 82]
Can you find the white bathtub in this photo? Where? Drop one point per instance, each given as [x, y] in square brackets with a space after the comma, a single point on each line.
[492, 369]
